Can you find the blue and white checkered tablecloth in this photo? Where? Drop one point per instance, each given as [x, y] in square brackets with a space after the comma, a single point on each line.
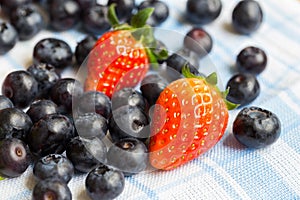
[228, 171]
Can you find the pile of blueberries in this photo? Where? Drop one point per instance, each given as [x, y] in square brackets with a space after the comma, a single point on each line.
[51, 123]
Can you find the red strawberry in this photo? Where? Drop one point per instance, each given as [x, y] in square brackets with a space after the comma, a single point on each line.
[190, 117]
[121, 57]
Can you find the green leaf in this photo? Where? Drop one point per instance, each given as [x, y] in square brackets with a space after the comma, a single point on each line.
[230, 105]
[212, 78]
[112, 16]
[139, 20]
[162, 54]
[152, 58]
[187, 73]
[1, 178]
[144, 35]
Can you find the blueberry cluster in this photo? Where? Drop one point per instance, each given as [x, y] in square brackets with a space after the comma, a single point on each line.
[26, 18]
[52, 123]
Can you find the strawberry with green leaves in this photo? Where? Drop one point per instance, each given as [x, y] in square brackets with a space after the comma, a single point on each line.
[121, 57]
[189, 118]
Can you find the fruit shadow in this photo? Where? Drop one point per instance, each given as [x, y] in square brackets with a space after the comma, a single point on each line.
[82, 195]
[228, 27]
[31, 181]
[230, 142]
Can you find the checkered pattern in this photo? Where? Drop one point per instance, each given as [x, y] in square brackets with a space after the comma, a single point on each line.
[228, 171]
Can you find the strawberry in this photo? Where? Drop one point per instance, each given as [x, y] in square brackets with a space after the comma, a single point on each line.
[121, 57]
[189, 118]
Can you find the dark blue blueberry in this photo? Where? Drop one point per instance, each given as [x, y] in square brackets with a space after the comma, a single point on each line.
[8, 37]
[54, 189]
[104, 183]
[53, 166]
[11, 4]
[255, 127]
[14, 157]
[14, 123]
[151, 87]
[84, 47]
[40, 108]
[94, 101]
[128, 155]
[86, 154]
[46, 76]
[95, 19]
[91, 125]
[64, 14]
[50, 135]
[203, 11]
[5, 102]
[128, 96]
[247, 16]
[27, 20]
[85, 4]
[178, 60]
[243, 89]
[251, 60]
[65, 91]
[160, 13]
[199, 41]
[129, 121]
[53, 51]
[124, 8]
[20, 87]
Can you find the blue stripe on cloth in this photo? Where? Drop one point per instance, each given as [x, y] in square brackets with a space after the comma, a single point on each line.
[147, 190]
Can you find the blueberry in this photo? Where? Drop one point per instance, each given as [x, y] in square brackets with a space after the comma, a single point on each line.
[104, 183]
[128, 96]
[85, 4]
[178, 60]
[86, 154]
[160, 13]
[247, 16]
[84, 47]
[203, 11]
[243, 89]
[53, 51]
[199, 41]
[54, 166]
[255, 127]
[124, 8]
[129, 121]
[251, 60]
[151, 87]
[46, 77]
[14, 123]
[50, 135]
[27, 20]
[20, 87]
[14, 157]
[95, 19]
[65, 91]
[64, 14]
[11, 4]
[91, 125]
[94, 101]
[5, 102]
[51, 188]
[128, 155]
[8, 37]
[40, 108]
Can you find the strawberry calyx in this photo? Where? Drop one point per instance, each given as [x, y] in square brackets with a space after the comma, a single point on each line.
[141, 31]
[211, 79]
[1, 178]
